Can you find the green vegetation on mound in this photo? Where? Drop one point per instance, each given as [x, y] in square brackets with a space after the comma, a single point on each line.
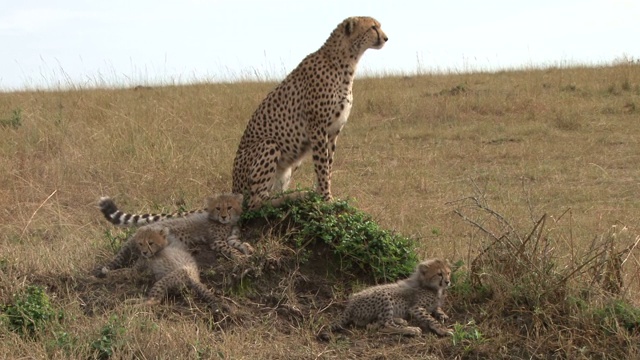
[356, 240]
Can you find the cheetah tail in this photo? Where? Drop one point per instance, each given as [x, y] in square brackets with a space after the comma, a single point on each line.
[119, 218]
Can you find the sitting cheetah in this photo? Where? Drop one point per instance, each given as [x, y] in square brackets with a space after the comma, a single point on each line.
[171, 264]
[217, 226]
[304, 114]
[386, 307]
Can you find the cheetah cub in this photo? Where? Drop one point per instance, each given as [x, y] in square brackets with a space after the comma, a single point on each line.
[171, 264]
[388, 307]
[216, 226]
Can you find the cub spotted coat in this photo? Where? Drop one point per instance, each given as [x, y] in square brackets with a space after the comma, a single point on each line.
[388, 307]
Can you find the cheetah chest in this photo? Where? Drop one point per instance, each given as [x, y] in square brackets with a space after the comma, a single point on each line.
[342, 112]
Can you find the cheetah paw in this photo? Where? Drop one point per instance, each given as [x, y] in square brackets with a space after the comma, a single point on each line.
[402, 330]
[247, 249]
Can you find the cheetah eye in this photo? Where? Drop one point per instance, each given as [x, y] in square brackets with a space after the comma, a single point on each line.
[229, 207]
[218, 208]
[374, 27]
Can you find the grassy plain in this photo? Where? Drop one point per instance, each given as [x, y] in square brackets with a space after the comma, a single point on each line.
[562, 142]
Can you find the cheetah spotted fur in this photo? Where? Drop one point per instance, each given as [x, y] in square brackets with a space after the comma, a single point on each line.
[386, 308]
[216, 226]
[172, 265]
[304, 115]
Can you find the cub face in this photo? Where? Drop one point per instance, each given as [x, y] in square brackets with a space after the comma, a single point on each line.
[365, 32]
[434, 274]
[225, 208]
[150, 241]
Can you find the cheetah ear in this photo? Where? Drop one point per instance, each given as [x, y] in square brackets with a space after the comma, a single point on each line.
[240, 197]
[423, 268]
[164, 231]
[349, 26]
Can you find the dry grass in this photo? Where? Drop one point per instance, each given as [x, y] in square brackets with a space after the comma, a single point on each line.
[561, 142]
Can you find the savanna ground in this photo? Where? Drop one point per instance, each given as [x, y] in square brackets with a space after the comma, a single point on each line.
[528, 179]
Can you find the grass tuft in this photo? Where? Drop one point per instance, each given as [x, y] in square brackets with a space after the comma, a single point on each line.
[530, 288]
[30, 313]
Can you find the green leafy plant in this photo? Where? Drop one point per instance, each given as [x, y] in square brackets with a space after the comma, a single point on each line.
[110, 338]
[354, 237]
[63, 340]
[467, 335]
[30, 312]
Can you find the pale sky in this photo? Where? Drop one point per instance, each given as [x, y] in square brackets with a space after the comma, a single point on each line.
[51, 44]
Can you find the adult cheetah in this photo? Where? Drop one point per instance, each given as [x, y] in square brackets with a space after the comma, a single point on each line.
[304, 114]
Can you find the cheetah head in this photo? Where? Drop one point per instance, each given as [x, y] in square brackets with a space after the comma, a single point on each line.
[434, 274]
[225, 208]
[363, 33]
[149, 241]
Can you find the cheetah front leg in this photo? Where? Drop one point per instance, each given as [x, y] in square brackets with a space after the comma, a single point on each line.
[426, 321]
[234, 241]
[221, 246]
[127, 253]
[440, 314]
[331, 152]
[262, 176]
[321, 161]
